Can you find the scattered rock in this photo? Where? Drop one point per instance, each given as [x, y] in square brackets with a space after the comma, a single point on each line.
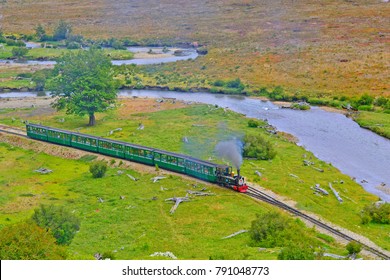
[166, 254]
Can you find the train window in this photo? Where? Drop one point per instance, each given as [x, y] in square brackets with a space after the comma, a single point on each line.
[163, 158]
[148, 154]
[180, 162]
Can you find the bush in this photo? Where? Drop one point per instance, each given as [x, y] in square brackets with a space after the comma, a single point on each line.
[19, 52]
[62, 224]
[62, 30]
[253, 123]
[98, 169]
[73, 45]
[376, 213]
[300, 106]
[365, 99]
[297, 251]
[27, 241]
[39, 78]
[353, 247]
[15, 43]
[257, 147]
[236, 83]
[269, 229]
[219, 83]
[381, 101]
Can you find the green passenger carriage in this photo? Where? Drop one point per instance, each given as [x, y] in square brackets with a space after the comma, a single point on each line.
[205, 170]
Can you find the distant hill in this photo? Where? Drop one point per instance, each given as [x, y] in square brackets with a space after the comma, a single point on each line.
[326, 47]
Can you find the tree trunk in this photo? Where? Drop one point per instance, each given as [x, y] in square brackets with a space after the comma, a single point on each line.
[92, 120]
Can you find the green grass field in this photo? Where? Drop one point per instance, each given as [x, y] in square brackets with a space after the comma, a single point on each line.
[377, 122]
[140, 224]
[165, 129]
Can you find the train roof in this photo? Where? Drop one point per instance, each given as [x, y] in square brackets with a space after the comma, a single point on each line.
[126, 144]
[170, 153]
[49, 128]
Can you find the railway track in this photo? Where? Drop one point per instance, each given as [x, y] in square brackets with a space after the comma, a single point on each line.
[13, 130]
[257, 194]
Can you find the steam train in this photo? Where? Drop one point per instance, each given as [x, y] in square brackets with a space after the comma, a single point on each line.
[204, 170]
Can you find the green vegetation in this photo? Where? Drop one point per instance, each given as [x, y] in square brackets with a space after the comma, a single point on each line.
[353, 247]
[375, 121]
[98, 169]
[19, 52]
[27, 241]
[274, 230]
[257, 147]
[137, 225]
[62, 31]
[83, 83]
[165, 130]
[377, 213]
[254, 123]
[300, 251]
[62, 224]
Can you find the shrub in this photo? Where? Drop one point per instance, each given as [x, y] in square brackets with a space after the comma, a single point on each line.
[269, 229]
[219, 83]
[40, 33]
[62, 224]
[300, 106]
[73, 45]
[297, 251]
[253, 123]
[376, 213]
[353, 247]
[39, 78]
[27, 241]
[365, 99]
[381, 101]
[236, 83]
[98, 169]
[257, 147]
[19, 52]
[62, 30]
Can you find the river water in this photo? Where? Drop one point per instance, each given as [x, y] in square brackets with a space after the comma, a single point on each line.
[169, 56]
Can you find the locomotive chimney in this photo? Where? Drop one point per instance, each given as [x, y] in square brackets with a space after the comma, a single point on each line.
[238, 173]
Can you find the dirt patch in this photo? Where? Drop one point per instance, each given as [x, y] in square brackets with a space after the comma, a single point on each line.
[147, 105]
[25, 102]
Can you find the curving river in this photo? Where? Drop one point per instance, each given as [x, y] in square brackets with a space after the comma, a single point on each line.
[162, 57]
[332, 137]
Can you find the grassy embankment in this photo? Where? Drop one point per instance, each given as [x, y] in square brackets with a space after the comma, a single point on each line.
[165, 129]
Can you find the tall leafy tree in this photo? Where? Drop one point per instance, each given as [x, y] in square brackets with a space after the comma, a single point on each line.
[83, 83]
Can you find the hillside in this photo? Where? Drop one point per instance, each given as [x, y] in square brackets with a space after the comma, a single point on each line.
[317, 47]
